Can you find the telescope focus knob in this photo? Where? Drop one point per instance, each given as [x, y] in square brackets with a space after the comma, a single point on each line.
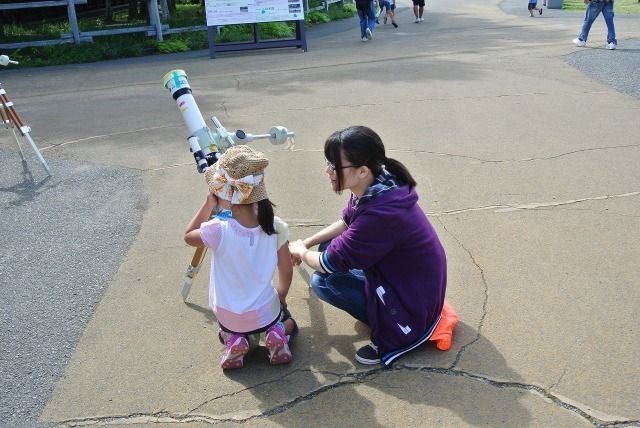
[4, 60]
[278, 134]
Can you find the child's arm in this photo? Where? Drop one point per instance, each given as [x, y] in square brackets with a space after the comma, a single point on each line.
[285, 272]
[192, 234]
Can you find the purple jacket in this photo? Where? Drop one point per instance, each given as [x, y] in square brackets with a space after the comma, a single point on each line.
[391, 239]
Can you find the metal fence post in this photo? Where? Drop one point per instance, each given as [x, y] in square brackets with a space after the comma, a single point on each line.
[154, 17]
[73, 21]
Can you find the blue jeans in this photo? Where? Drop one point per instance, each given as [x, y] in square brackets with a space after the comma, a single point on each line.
[593, 10]
[344, 291]
[367, 20]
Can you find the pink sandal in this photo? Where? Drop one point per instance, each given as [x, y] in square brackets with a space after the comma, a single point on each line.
[236, 348]
[278, 345]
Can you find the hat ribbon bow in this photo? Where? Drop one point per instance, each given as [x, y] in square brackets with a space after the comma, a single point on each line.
[236, 190]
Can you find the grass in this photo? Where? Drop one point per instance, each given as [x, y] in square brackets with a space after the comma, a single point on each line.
[139, 44]
[629, 7]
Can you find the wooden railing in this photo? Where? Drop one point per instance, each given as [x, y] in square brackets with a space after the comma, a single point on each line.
[76, 36]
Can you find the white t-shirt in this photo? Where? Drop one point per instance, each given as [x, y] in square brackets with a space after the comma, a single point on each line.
[243, 262]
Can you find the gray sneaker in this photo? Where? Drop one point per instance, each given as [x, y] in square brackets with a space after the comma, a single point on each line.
[369, 34]
[611, 46]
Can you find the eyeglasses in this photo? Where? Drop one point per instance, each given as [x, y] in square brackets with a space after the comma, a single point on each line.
[332, 168]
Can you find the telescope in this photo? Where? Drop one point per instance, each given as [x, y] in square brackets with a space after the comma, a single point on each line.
[207, 146]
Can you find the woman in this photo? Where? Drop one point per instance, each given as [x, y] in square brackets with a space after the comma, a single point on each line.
[382, 262]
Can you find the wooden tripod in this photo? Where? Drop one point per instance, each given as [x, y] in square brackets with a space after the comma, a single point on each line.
[192, 271]
[10, 119]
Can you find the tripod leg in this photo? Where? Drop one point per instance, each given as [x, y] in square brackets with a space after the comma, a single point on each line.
[192, 271]
[37, 152]
[10, 113]
[15, 136]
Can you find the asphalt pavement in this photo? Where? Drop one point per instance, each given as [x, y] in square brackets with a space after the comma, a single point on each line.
[62, 239]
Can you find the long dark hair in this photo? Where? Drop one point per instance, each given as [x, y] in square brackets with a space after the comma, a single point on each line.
[363, 147]
[265, 216]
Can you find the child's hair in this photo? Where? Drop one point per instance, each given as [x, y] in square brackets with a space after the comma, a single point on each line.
[265, 216]
[363, 147]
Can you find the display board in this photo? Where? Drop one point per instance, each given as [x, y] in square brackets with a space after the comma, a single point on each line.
[228, 12]
[231, 12]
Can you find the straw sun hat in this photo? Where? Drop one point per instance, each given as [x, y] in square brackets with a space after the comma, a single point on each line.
[238, 176]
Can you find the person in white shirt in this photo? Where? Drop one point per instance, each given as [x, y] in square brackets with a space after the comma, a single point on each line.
[246, 249]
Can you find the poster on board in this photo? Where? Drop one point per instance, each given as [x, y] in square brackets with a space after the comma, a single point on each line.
[227, 12]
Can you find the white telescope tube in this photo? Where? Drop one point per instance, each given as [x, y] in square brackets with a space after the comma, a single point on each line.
[176, 82]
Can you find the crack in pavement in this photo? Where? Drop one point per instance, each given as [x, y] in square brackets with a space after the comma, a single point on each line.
[94, 137]
[429, 152]
[484, 302]
[498, 208]
[557, 382]
[503, 208]
[531, 159]
[257, 385]
[602, 420]
[226, 114]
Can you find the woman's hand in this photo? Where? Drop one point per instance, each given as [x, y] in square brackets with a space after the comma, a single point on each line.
[297, 249]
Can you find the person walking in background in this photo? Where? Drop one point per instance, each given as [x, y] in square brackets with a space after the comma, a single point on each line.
[533, 5]
[418, 10]
[594, 7]
[387, 7]
[367, 15]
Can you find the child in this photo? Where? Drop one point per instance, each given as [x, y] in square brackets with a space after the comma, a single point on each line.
[388, 7]
[246, 250]
[533, 5]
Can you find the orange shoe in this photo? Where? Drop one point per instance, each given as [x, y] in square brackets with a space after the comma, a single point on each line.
[443, 333]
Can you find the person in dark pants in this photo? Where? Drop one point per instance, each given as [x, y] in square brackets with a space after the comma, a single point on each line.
[367, 15]
[418, 10]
